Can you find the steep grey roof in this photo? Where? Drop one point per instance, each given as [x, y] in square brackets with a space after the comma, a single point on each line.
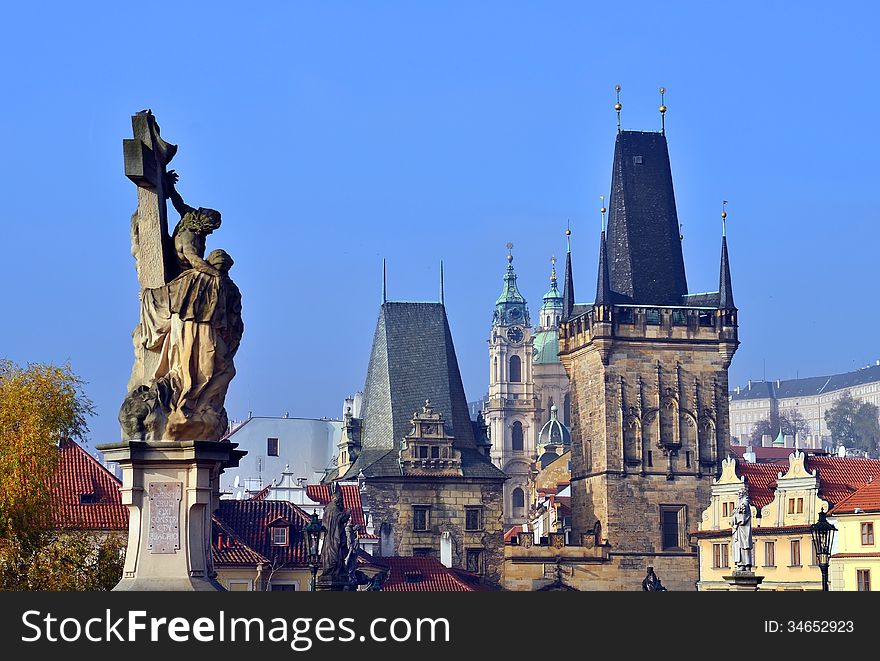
[725, 291]
[413, 359]
[809, 386]
[603, 284]
[568, 289]
[644, 250]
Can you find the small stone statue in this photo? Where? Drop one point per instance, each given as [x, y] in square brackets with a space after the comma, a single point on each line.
[741, 524]
[335, 551]
[651, 582]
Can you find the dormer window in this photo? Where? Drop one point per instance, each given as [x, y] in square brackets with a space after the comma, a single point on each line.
[280, 536]
[87, 499]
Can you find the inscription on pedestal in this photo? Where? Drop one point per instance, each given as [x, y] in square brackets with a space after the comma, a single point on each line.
[165, 516]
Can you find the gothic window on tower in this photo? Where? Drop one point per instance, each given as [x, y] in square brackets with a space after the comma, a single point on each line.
[652, 317]
[473, 518]
[421, 518]
[518, 500]
[516, 442]
[515, 369]
[672, 527]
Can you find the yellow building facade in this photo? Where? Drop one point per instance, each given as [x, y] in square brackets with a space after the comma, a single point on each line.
[786, 500]
[855, 561]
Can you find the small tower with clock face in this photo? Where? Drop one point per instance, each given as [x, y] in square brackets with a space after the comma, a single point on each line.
[511, 410]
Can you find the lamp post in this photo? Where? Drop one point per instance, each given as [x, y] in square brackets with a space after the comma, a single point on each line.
[314, 530]
[823, 538]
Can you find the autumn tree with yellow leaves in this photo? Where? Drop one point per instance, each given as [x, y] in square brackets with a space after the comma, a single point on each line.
[40, 405]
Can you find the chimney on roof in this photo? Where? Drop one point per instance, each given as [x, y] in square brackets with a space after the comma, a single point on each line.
[777, 383]
[749, 454]
[766, 441]
[750, 384]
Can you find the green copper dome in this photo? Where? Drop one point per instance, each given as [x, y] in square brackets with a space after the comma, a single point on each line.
[554, 433]
[546, 347]
[553, 298]
[510, 308]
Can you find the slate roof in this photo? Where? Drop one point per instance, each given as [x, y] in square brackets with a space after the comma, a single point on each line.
[866, 498]
[809, 386]
[643, 246]
[568, 305]
[413, 359]
[86, 495]
[249, 521]
[426, 575]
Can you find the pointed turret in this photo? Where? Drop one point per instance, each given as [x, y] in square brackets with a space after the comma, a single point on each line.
[603, 283]
[725, 288]
[567, 283]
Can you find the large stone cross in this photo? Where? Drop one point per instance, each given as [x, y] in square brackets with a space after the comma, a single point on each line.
[146, 156]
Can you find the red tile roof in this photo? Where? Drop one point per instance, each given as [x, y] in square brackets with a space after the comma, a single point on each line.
[249, 521]
[426, 575]
[263, 493]
[841, 476]
[762, 481]
[875, 554]
[867, 499]
[351, 499]
[227, 548]
[85, 494]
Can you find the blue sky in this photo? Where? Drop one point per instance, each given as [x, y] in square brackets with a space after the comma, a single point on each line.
[331, 135]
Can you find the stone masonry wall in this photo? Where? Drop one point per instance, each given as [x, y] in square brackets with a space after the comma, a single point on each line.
[392, 502]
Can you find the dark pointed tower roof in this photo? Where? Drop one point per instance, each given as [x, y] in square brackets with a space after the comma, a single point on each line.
[603, 284]
[646, 265]
[567, 282]
[413, 359]
[725, 290]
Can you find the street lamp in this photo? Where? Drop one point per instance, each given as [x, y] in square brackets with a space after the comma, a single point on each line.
[314, 530]
[823, 538]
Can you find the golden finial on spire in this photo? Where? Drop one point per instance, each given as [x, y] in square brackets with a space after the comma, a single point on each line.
[568, 233]
[553, 268]
[602, 211]
[509, 252]
[662, 111]
[680, 235]
[723, 218]
[618, 106]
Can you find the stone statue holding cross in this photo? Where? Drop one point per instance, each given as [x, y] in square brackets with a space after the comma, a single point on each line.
[190, 310]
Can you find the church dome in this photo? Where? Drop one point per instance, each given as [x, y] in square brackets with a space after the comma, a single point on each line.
[554, 432]
[546, 347]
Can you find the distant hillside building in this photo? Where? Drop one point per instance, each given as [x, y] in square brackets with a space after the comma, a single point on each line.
[301, 446]
[811, 397]
[423, 466]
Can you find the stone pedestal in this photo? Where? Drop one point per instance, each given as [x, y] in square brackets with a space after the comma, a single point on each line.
[334, 585]
[171, 489]
[744, 581]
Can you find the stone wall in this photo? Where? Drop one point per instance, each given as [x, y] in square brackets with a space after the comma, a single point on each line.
[391, 502]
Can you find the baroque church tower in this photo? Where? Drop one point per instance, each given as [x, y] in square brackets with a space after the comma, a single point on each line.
[511, 410]
[648, 363]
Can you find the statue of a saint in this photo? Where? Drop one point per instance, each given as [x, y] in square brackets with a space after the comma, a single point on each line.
[193, 324]
[651, 582]
[741, 524]
[334, 553]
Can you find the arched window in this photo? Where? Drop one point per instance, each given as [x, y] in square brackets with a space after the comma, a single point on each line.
[518, 500]
[515, 369]
[517, 437]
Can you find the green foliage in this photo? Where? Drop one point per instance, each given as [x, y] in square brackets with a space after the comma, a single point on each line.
[854, 424]
[65, 560]
[39, 406]
[790, 422]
